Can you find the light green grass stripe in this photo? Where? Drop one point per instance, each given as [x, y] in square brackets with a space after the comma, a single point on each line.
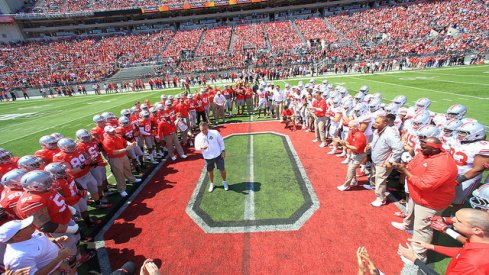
[277, 192]
[229, 205]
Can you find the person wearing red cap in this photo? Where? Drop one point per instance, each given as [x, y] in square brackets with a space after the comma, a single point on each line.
[431, 178]
[116, 147]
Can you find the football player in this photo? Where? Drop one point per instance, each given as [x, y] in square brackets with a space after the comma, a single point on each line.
[7, 161]
[127, 131]
[51, 214]
[11, 193]
[78, 165]
[470, 155]
[30, 163]
[49, 147]
[145, 128]
[335, 112]
[98, 131]
[420, 105]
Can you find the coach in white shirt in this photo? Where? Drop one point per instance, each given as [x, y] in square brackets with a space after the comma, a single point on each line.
[220, 102]
[28, 248]
[211, 144]
[278, 99]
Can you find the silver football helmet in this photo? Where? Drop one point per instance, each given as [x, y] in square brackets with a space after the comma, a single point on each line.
[471, 131]
[30, 162]
[159, 107]
[374, 104]
[99, 120]
[428, 131]
[359, 97]
[480, 199]
[163, 98]
[134, 109]
[336, 101]
[12, 179]
[153, 110]
[124, 121]
[125, 112]
[83, 136]
[450, 128]
[168, 103]
[456, 111]
[57, 136]
[57, 170]
[67, 145]
[109, 116]
[400, 100]
[360, 109]
[421, 119]
[422, 104]
[391, 108]
[48, 142]
[347, 103]
[37, 181]
[144, 107]
[5, 156]
[364, 89]
[145, 114]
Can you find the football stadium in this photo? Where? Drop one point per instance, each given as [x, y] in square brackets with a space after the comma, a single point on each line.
[244, 137]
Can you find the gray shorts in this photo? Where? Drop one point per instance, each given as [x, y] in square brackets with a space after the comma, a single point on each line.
[134, 152]
[211, 163]
[89, 183]
[240, 102]
[99, 173]
[149, 141]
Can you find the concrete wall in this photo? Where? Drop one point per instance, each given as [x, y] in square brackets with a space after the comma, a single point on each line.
[10, 32]
[10, 6]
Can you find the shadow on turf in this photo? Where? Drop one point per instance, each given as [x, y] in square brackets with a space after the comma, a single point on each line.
[243, 187]
[129, 229]
[121, 256]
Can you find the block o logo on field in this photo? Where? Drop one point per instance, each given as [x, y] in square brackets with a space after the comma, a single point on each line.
[269, 188]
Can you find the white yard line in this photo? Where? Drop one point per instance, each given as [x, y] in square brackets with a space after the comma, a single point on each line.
[423, 89]
[249, 211]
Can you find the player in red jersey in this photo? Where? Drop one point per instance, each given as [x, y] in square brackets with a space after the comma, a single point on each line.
[145, 127]
[7, 161]
[49, 147]
[78, 165]
[12, 191]
[110, 119]
[87, 144]
[98, 131]
[135, 154]
[51, 213]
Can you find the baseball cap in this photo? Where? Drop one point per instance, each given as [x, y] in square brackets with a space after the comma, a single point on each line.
[109, 129]
[9, 229]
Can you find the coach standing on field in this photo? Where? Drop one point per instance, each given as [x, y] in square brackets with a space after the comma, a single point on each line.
[211, 144]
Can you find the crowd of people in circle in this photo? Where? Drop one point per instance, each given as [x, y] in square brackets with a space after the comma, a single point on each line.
[439, 158]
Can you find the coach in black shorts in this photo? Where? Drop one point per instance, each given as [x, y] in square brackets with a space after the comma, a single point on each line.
[211, 144]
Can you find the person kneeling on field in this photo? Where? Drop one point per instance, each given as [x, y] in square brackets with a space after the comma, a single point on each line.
[288, 117]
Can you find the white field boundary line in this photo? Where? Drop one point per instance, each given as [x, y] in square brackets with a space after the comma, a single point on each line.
[249, 211]
[102, 255]
[422, 89]
[461, 75]
[457, 82]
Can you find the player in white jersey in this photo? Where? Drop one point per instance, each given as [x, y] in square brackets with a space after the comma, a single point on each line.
[262, 102]
[363, 116]
[449, 134]
[393, 108]
[420, 105]
[374, 108]
[346, 117]
[358, 98]
[470, 155]
[399, 100]
[336, 111]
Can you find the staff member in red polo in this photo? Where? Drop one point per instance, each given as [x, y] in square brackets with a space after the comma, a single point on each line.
[320, 120]
[168, 131]
[116, 147]
[356, 143]
[431, 178]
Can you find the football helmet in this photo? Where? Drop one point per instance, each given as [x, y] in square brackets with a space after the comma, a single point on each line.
[99, 120]
[364, 89]
[179, 96]
[159, 107]
[402, 111]
[124, 121]
[391, 108]
[5, 156]
[378, 95]
[83, 136]
[168, 103]
[360, 109]
[57, 170]
[428, 131]
[67, 145]
[37, 181]
[367, 98]
[347, 103]
[359, 97]
[325, 95]
[125, 112]
[420, 119]
[343, 91]
[336, 101]
[145, 114]
[109, 116]
[374, 104]
[48, 142]
[334, 94]
[30, 162]
[170, 97]
[12, 179]
[456, 111]
[163, 98]
[153, 110]
[400, 100]
[480, 199]
[134, 109]
[190, 96]
[471, 131]
[439, 120]
[450, 128]
[144, 107]
[422, 104]
[57, 136]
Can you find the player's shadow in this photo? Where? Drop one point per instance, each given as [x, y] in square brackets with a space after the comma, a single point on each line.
[245, 187]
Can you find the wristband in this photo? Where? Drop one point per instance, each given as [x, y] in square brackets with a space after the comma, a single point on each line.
[72, 229]
[452, 233]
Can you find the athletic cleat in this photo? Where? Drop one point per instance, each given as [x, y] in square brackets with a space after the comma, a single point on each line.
[226, 186]
[211, 187]
[343, 188]
[400, 226]
[377, 203]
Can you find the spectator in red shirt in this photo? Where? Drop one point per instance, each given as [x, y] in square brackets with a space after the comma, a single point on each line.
[469, 259]
[431, 178]
[355, 142]
[116, 147]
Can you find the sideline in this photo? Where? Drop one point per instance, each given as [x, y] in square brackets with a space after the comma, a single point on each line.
[249, 211]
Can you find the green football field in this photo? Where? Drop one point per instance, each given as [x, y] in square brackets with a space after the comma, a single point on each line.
[22, 123]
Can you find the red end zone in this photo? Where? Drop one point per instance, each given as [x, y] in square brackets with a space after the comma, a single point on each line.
[156, 226]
